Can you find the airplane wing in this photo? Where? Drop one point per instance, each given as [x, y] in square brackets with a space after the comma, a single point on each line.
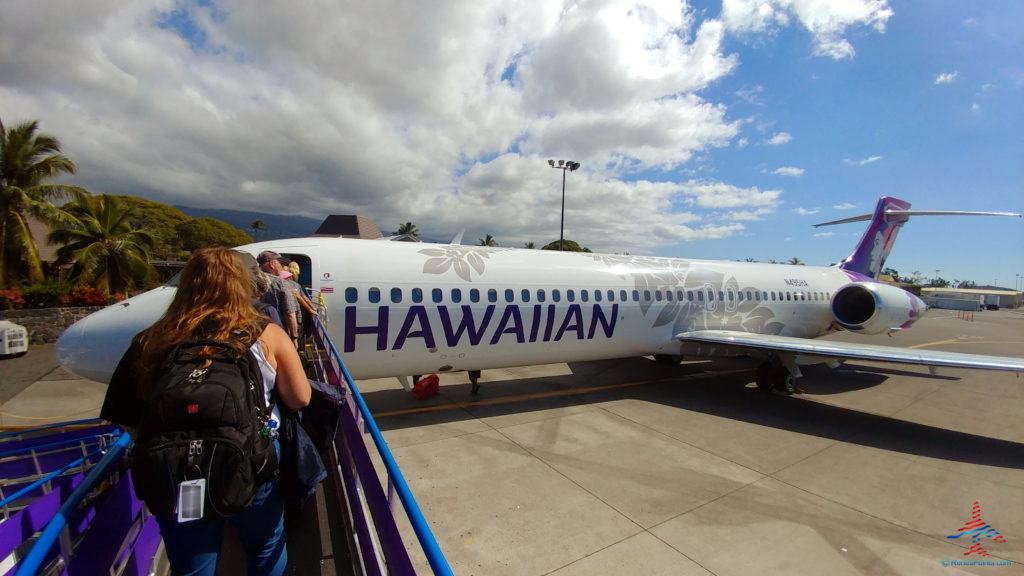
[831, 349]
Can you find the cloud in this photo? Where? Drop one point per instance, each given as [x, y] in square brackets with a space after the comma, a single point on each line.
[440, 114]
[946, 77]
[807, 211]
[827, 22]
[779, 139]
[823, 234]
[863, 161]
[844, 206]
[789, 171]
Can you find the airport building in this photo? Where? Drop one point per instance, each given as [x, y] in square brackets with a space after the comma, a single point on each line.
[972, 299]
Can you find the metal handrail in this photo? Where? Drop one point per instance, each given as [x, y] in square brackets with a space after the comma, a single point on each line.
[53, 529]
[431, 549]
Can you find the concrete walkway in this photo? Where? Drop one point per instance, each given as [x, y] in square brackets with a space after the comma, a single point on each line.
[36, 391]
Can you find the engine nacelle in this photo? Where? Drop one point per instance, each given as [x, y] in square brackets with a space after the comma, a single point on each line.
[873, 308]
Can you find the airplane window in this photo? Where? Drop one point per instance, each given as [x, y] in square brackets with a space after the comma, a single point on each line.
[474, 295]
[732, 295]
[540, 295]
[526, 295]
[773, 295]
[417, 295]
[556, 295]
[396, 295]
[597, 296]
[711, 295]
[456, 295]
[789, 295]
[570, 295]
[622, 296]
[436, 295]
[492, 295]
[647, 295]
[689, 295]
[374, 295]
[585, 295]
[721, 296]
[669, 295]
[351, 295]
[739, 296]
[657, 295]
[510, 295]
[636, 295]
[611, 295]
[700, 296]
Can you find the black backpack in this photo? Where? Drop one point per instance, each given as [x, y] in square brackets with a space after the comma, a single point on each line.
[204, 423]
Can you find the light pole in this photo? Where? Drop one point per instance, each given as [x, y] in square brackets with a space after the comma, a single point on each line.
[564, 166]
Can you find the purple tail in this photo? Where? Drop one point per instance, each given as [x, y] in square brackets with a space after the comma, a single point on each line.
[869, 256]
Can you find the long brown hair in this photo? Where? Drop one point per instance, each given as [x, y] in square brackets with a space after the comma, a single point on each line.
[214, 300]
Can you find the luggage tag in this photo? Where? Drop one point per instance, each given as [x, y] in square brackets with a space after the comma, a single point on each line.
[191, 496]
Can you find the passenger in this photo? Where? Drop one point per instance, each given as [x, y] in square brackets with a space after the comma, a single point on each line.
[280, 295]
[213, 301]
[290, 273]
[261, 283]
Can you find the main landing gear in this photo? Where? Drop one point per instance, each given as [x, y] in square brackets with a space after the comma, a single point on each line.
[776, 374]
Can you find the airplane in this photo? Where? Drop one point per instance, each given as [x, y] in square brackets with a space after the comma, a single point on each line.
[397, 309]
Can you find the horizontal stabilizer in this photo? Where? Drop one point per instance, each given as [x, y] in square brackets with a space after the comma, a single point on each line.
[907, 213]
[830, 349]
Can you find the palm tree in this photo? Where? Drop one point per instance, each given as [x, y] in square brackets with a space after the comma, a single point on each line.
[488, 241]
[106, 251]
[257, 226]
[530, 246]
[794, 261]
[408, 228]
[28, 159]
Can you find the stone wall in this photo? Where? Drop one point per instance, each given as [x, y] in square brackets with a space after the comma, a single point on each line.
[46, 324]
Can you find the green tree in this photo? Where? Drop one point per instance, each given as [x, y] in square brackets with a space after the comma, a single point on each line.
[29, 159]
[408, 228]
[794, 261]
[530, 246]
[257, 226]
[161, 221]
[569, 245]
[209, 232]
[105, 250]
[488, 241]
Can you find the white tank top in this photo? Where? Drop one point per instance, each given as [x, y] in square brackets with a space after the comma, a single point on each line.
[269, 378]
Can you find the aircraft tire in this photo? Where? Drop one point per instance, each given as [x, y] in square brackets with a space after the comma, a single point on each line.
[670, 359]
[764, 378]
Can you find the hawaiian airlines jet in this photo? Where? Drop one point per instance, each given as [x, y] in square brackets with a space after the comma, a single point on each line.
[401, 308]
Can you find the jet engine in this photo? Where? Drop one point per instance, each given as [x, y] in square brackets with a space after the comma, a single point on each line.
[873, 308]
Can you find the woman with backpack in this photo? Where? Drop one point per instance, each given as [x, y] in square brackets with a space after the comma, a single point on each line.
[213, 302]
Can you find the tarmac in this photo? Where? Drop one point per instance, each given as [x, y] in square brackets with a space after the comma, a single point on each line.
[634, 467]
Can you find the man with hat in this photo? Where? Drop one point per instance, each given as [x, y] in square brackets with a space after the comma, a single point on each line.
[280, 295]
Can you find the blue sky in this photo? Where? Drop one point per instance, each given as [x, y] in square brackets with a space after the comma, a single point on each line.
[705, 129]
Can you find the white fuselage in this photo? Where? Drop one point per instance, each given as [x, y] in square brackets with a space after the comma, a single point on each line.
[401, 308]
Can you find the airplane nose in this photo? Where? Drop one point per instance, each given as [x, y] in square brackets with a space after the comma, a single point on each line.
[92, 347]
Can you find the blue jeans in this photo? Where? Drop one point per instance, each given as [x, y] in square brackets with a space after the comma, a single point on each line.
[192, 547]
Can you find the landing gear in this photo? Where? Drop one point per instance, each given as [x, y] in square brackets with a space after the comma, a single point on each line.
[474, 378]
[773, 375]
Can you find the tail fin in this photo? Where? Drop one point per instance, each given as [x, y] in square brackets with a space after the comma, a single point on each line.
[869, 256]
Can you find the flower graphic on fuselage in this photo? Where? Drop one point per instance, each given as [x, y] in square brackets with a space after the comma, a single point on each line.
[463, 259]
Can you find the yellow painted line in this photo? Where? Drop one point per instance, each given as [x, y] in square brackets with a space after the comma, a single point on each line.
[570, 392]
[957, 341]
[936, 343]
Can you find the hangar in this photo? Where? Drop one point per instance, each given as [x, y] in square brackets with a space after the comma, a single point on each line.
[972, 298]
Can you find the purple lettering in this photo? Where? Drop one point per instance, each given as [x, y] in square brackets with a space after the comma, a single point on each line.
[575, 315]
[352, 330]
[415, 314]
[599, 318]
[511, 313]
[467, 325]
